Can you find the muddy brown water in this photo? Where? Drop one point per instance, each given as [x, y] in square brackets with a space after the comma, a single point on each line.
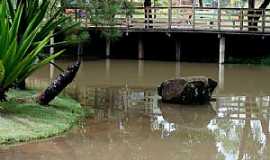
[130, 122]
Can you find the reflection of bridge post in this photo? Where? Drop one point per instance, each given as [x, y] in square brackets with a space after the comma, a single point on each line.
[140, 69]
[221, 76]
[178, 69]
[51, 72]
[51, 52]
[140, 48]
[108, 48]
[177, 49]
[107, 69]
[221, 49]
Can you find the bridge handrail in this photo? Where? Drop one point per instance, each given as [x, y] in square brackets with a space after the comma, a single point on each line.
[191, 18]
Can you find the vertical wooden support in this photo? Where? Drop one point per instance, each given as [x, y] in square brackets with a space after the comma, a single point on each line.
[222, 43]
[263, 20]
[241, 19]
[140, 48]
[147, 17]
[108, 48]
[193, 16]
[219, 18]
[178, 50]
[148, 14]
[170, 15]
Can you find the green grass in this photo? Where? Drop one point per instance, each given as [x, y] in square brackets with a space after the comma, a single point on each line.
[255, 60]
[26, 121]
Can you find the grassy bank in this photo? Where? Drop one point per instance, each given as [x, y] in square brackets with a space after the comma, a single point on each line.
[254, 60]
[26, 120]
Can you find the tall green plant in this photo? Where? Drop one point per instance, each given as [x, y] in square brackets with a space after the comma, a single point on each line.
[51, 15]
[19, 58]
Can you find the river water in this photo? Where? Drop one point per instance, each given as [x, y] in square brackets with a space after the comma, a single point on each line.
[130, 123]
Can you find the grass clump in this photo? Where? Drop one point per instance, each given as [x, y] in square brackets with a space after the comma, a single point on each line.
[25, 121]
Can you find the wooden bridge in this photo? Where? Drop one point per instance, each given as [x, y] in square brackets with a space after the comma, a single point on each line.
[220, 21]
[188, 19]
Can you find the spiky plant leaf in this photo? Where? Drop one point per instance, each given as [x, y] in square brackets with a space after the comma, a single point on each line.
[2, 71]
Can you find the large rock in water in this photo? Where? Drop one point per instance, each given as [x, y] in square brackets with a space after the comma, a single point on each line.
[187, 90]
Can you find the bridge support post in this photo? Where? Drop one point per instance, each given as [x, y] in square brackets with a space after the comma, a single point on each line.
[178, 50]
[140, 48]
[222, 43]
[108, 48]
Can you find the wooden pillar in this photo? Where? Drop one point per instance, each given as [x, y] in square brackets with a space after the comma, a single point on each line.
[178, 50]
[140, 48]
[221, 49]
[148, 14]
[170, 15]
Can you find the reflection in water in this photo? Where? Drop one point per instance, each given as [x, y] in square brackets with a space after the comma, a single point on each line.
[108, 68]
[221, 76]
[241, 127]
[177, 69]
[132, 123]
[233, 79]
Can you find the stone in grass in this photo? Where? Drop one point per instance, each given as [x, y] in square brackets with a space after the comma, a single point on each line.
[187, 90]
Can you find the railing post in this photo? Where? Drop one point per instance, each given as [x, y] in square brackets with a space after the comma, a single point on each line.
[263, 20]
[241, 19]
[147, 17]
[193, 17]
[219, 18]
[127, 19]
[170, 15]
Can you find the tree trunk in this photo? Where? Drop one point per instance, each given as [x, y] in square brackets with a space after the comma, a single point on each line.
[58, 84]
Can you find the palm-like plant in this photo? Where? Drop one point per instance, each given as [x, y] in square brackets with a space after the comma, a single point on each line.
[51, 14]
[19, 51]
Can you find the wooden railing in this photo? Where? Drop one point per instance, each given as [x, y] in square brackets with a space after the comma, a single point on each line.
[189, 18]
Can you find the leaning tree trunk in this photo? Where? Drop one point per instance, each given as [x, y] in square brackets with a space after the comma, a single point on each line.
[58, 84]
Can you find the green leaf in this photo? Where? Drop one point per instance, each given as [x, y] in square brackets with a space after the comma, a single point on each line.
[2, 71]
